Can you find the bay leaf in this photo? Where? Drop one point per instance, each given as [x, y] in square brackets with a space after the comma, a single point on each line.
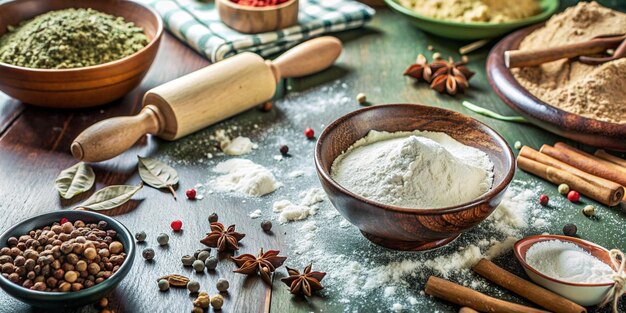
[75, 180]
[110, 197]
[157, 174]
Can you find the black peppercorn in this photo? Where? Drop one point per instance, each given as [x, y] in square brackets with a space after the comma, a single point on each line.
[284, 149]
[266, 225]
[570, 230]
[213, 218]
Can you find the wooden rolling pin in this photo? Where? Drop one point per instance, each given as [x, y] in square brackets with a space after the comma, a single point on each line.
[207, 96]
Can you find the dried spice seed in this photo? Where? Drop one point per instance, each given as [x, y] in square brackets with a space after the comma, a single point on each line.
[573, 196]
[191, 194]
[175, 280]
[563, 189]
[266, 225]
[589, 210]
[202, 301]
[141, 236]
[267, 106]
[211, 263]
[198, 266]
[217, 301]
[187, 260]
[193, 286]
[222, 285]
[163, 239]
[176, 225]
[148, 254]
[203, 255]
[164, 285]
[517, 145]
[570, 230]
[361, 98]
[543, 200]
[284, 149]
[309, 133]
[213, 218]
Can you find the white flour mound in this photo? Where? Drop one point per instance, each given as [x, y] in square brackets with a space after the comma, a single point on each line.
[238, 146]
[244, 176]
[295, 212]
[414, 169]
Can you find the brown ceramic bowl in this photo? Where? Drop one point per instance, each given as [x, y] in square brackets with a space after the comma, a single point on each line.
[85, 86]
[573, 126]
[402, 228]
[254, 20]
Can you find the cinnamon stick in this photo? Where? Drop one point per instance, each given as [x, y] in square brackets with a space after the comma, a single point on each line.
[543, 297]
[467, 310]
[611, 158]
[586, 162]
[464, 296]
[524, 58]
[606, 194]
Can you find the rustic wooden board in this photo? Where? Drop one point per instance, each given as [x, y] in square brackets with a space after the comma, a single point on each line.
[34, 148]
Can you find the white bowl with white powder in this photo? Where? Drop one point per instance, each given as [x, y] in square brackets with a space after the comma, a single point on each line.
[574, 268]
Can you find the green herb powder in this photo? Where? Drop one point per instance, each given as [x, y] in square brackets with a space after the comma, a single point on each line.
[70, 38]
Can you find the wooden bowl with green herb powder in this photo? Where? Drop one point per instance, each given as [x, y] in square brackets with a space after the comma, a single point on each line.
[71, 54]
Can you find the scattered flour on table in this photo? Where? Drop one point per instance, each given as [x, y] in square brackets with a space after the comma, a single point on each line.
[238, 146]
[255, 214]
[568, 262]
[244, 176]
[416, 169]
[289, 211]
[356, 275]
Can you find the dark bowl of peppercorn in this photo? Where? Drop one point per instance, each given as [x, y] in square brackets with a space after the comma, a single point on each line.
[65, 258]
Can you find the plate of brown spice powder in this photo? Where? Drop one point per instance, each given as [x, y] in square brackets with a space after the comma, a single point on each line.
[583, 102]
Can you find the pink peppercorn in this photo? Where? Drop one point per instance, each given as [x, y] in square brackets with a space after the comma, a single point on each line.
[177, 225]
[543, 200]
[191, 194]
[309, 133]
[64, 220]
[573, 196]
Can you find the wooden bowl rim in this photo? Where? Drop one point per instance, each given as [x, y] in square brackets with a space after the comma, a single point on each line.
[583, 244]
[102, 66]
[248, 8]
[507, 153]
[598, 126]
[551, 7]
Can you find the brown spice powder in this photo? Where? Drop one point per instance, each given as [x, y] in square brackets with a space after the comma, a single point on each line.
[597, 92]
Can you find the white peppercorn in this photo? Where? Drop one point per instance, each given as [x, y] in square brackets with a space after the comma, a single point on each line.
[222, 285]
[198, 266]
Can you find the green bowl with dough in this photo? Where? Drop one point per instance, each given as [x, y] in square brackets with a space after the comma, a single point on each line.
[474, 30]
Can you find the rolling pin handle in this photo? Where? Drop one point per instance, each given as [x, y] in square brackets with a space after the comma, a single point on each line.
[307, 58]
[111, 137]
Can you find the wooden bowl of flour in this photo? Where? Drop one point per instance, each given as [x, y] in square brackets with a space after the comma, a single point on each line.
[401, 228]
[586, 130]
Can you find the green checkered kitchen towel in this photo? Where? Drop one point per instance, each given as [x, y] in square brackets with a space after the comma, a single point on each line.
[198, 24]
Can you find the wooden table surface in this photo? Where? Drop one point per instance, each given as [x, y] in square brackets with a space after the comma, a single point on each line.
[34, 148]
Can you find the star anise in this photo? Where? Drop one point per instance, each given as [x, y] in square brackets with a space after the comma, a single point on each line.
[305, 283]
[264, 263]
[449, 76]
[420, 69]
[221, 238]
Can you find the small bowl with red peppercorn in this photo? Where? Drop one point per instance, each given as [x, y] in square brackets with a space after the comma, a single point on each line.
[258, 16]
[412, 229]
[65, 258]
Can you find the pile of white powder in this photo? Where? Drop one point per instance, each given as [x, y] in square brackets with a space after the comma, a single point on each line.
[244, 176]
[289, 211]
[568, 262]
[416, 169]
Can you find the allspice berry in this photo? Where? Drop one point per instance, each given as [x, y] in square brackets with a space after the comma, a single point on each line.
[589, 210]
[213, 218]
[116, 247]
[70, 276]
[570, 230]
[266, 225]
[217, 301]
[90, 253]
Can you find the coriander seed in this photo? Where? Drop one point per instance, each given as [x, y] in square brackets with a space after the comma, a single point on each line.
[148, 254]
[589, 210]
[193, 286]
[211, 263]
[187, 260]
[222, 285]
[164, 285]
[198, 266]
[163, 239]
[203, 255]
